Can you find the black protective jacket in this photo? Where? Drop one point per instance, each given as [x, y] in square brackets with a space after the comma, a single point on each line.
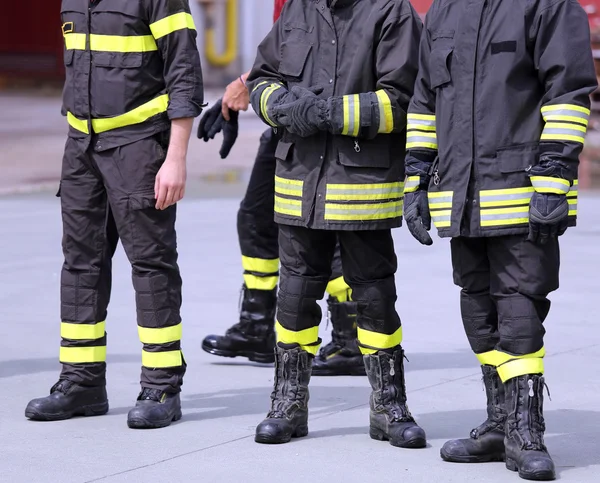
[503, 85]
[131, 66]
[364, 53]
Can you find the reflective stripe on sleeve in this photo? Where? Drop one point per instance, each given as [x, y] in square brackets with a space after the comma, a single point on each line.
[421, 122]
[351, 115]
[172, 23]
[566, 112]
[264, 99]
[417, 139]
[547, 184]
[560, 131]
[412, 183]
[386, 115]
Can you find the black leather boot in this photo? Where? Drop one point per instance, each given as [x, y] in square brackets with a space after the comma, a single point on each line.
[154, 409]
[390, 418]
[288, 417]
[253, 336]
[66, 400]
[525, 426]
[486, 442]
[341, 357]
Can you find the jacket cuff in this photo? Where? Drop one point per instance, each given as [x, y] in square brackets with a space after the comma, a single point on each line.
[180, 110]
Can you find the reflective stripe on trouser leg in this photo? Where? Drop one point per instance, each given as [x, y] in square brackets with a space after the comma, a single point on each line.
[339, 289]
[378, 322]
[260, 273]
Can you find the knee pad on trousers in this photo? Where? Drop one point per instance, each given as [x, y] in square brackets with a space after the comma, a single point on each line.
[480, 320]
[80, 297]
[158, 299]
[297, 307]
[376, 306]
[520, 327]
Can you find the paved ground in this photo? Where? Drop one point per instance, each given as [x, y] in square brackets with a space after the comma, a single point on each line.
[224, 399]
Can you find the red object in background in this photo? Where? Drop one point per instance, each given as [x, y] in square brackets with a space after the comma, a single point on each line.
[277, 10]
[30, 39]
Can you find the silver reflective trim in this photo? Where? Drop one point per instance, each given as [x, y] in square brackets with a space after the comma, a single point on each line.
[510, 197]
[504, 216]
[376, 191]
[363, 211]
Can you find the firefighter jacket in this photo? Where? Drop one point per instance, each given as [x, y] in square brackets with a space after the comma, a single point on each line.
[503, 85]
[364, 53]
[131, 66]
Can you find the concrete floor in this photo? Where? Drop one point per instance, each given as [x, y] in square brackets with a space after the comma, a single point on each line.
[224, 399]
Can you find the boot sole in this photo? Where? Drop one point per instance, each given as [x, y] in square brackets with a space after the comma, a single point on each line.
[358, 371]
[415, 443]
[261, 357]
[300, 432]
[538, 476]
[99, 409]
[141, 423]
[494, 458]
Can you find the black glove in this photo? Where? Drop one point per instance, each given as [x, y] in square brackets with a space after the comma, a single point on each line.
[213, 122]
[417, 216]
[548, 217]
[304, 116]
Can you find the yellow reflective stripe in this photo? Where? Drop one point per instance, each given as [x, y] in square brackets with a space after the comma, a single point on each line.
[356, 120]
[440, 199]
[118, 43]
[254, 282]
[366, 350]
[82, 355]
[506, 191]
[497, 358]
[161, 359]
[78, 124]
[363, 212]
[339, 289]
[262, 83]
[75, 41]
[419, 127]
[566, 112]
[572, 206]
[162, 335]
[386, 115]
[72, 331]
[261, 265]
[520, 367]
[312, 348]
[135, 116]
[573, 192]
[412, 184]
[287, 206]
[170, 24]
[364, 192]
[422, 117]
[346, 111]
[291, 187]
[377, 340]
[303, 337]
[548, 184]
[441, 218]
[264, 99]
[418, 139]
[504, 216]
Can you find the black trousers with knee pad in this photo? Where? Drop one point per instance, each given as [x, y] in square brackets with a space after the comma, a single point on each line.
[368, 264]
[505, 283]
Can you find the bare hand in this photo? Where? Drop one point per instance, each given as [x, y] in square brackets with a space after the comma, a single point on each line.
[236, 98]
[169, 187]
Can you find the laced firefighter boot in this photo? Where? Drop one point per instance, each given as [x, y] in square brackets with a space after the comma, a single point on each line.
[486, 442]
[525, 426]
[253, 336]
[288, 417]
[341, 357]
[390, 419]
[154, 409]
[66, 400]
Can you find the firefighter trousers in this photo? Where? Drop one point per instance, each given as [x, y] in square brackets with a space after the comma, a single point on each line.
[107, 196]
[369, 265]
[258, 232]
[505, 283]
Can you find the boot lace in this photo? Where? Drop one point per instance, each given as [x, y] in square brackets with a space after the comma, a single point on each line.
[62, 386]
[149, 394]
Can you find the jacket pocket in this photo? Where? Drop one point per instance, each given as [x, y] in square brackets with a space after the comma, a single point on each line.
[439, 69]
[293, 59]
[283, 150]
[117, 60]
[517, 158]
[354, 153]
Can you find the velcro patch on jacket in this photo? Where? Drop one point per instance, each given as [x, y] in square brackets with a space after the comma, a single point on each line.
[507, 46]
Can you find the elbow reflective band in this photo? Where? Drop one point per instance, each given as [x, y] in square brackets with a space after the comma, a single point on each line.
[351, 124]
[440, 207]
[421, 131]
[171, 24]
[307, 339]
[412, 184]
[291, 203]
[363, 202]
[371, 342]
[565, 122]
[547, 184]
[135, 116]
[386, 115]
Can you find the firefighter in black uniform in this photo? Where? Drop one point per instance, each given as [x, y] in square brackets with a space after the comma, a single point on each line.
[133, 86]
[495, 128]
[337, 76]
[254, 335]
